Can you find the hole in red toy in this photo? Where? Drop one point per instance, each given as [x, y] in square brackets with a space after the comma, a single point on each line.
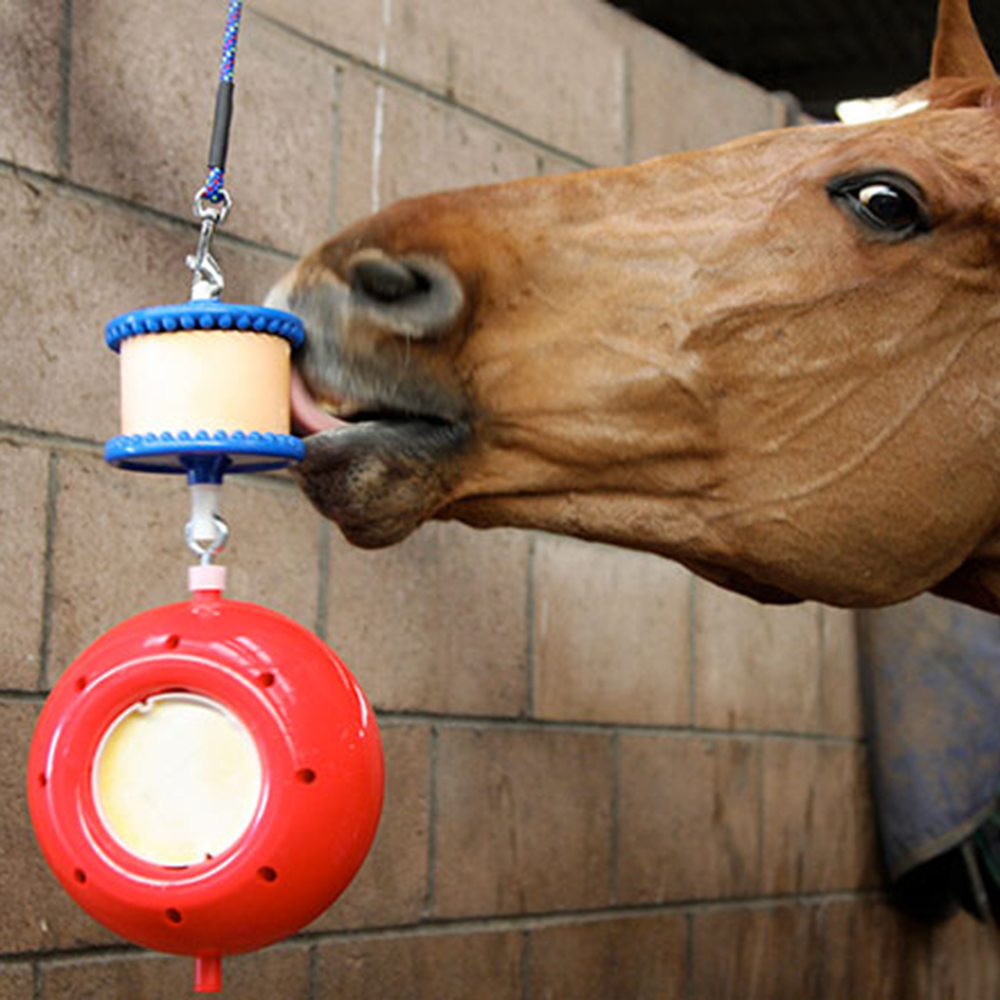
[174, 916]
[267, 874]
[81, 683]
[80, 875]
[266, 680]
[172, 641]
[42, 780]
[306, 775]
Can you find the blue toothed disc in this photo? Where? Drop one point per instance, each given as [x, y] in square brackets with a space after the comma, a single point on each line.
[204, 315]
[187, 452]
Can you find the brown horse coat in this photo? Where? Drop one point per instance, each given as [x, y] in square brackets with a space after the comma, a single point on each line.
[775, 361]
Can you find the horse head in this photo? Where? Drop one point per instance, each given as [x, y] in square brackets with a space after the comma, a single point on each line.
[774, 361]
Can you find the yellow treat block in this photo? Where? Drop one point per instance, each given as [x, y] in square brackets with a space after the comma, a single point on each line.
[177, 779]
[212, 380]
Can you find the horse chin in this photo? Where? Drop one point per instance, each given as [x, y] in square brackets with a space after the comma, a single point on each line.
[380, 480]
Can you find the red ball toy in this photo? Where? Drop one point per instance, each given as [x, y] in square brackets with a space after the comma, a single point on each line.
[205, 779]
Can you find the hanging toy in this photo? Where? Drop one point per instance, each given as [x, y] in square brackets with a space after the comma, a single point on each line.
[207, 777]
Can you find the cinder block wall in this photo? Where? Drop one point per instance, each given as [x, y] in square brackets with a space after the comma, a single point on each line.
[606, 780]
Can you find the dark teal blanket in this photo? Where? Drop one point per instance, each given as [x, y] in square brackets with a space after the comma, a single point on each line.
[931, 680]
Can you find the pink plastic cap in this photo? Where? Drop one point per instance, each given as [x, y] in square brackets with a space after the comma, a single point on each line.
[207, 578]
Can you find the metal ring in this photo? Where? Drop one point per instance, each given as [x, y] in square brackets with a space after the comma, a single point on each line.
[205, 209]
[207, 551]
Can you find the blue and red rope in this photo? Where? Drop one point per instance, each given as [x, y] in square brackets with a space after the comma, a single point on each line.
[214, 190]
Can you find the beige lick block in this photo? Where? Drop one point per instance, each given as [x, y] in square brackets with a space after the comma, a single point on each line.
[212, 380]
[177, 779]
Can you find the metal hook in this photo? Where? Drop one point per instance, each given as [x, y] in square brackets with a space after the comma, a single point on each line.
[206, 533]
[208, 282]
[204, 549]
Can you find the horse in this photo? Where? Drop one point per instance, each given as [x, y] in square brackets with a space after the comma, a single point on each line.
[773, 361]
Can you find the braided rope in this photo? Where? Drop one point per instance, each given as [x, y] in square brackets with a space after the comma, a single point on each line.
[229, 40]
[215, 183]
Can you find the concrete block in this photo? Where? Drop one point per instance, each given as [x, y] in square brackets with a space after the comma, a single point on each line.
[36, 914]
[438, 623]
[398, 143]
[31, 83]
[544, 68]
[840, 688]
[359, 97]
[818, 827]
[964, 960]
[16, 982]
[430, 146]
[444, 966]
[641, 958]
[611, 636]
[140, 126]
[354, 28]
[281, 971]
[523, 822]
[23, 507]
[763, 953]
[869, 948]
[680, 102]
[687, 819]
[757, 667]
[391, 888]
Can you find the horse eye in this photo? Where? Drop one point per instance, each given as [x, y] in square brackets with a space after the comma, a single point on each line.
[890, 206]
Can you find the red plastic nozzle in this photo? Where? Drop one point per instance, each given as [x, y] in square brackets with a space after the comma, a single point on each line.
[207, 973]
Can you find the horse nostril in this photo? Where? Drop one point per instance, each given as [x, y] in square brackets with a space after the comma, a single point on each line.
[383, 279]
[416, 296]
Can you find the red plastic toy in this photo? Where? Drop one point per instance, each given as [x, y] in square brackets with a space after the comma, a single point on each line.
[206, 778]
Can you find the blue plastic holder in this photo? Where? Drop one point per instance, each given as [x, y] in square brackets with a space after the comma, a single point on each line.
[204, 454]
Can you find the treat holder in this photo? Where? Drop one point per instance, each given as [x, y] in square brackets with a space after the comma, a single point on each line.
[206, 777]
[205, 389]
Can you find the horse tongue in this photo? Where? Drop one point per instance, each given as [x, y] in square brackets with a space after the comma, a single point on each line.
[308, 417]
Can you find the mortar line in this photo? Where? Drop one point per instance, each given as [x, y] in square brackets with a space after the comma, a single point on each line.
[378, 128]
[313, 970]
[65, 956]
[65, 72]
[148, 212]
[396, 79]
[821, 708]
[526, 957]
[530, 621]
[443, 927]
[24, 697]
[760, 813]
[387, 717]
[19, 434]
[692, 651]
[338, 118]
[688, 990]
[616, 783]
[628, 123]
[30, 435]
[323, 583]
[48, 568]
[508, 923]
[432, 810]
[378, 125]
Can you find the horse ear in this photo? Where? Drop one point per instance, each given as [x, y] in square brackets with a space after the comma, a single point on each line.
[958, 49]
